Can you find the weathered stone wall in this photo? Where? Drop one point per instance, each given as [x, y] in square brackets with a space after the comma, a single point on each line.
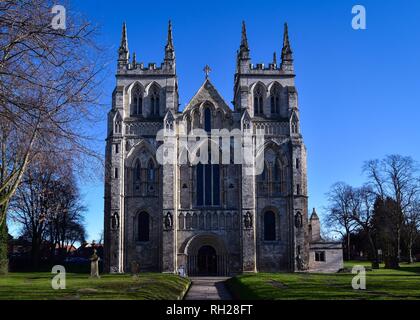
[147, 254]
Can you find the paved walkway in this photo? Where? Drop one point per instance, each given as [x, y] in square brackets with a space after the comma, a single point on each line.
[208, 288]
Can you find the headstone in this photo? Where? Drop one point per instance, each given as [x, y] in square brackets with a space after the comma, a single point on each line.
[181, 271]
[135, 268]
[94, 265]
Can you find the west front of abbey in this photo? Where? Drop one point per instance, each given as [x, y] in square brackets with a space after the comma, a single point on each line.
[212, 218]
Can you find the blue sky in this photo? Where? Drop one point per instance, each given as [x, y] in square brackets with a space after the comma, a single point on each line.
[359, 91]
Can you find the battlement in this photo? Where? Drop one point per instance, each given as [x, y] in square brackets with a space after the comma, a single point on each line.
[148, 69]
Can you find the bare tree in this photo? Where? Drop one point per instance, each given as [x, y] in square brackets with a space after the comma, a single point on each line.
[394, 177]
[48, 90]
[47, 206]
[101, 237]
[31, 205]
[340, 212]
[65, 224]
[363, 209]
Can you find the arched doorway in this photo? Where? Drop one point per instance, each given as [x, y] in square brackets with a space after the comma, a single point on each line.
[206, 255]
[207, 261]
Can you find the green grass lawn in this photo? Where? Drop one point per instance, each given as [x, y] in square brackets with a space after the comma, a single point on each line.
[380, 284]
[37, 286]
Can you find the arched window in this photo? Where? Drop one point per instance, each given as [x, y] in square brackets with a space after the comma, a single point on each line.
[207, 120]
[258, 101]
[275, 100]
[117, 124]
[154, 101]
[117, 127]
[208, 182]
[143, 226]
[137, 175]
[298, 220]
[269, 226]
[136, 108]
[295, 125]
[181, 221]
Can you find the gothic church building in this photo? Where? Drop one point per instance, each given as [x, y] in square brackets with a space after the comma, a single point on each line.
[209, 219]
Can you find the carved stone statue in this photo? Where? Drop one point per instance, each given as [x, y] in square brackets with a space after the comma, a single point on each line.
[94, 265]
[168, 221]
[248, 220]
[115, 221]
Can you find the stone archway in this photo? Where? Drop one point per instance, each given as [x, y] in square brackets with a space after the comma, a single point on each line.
[206, 255]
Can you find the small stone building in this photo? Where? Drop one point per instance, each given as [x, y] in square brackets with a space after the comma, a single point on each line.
[324, 256]
[211, 218]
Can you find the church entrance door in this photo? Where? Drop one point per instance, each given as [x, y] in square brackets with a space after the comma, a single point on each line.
[207, 261]
[206, 256]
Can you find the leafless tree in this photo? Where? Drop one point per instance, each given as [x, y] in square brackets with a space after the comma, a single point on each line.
[340, 212]
[47, 207]
[48, 91]
[395, 177]
[65, 224]
[363, 209]
[101, 237]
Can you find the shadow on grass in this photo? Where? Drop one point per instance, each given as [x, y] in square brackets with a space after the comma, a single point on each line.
[408, 268]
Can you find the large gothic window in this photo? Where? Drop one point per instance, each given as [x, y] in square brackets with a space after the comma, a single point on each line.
[143, 226]
[154, 101]
[269, 226]
[275, 100]
[258, 101]
[136, 108]
[208, 184]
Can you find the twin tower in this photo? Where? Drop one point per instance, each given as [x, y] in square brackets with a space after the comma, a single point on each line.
[209, 218]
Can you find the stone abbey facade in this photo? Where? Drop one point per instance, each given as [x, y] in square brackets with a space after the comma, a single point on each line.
[209, 218]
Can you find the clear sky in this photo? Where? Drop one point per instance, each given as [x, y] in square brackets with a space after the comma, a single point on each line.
[359, 91]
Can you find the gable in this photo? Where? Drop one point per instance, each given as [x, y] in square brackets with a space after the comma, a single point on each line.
[208, 92]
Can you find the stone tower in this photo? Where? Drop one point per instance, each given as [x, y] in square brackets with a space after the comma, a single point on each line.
[266, 97]
[133, 179]
[315, 227]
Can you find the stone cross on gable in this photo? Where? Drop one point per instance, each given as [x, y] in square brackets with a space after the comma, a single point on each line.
[207, 70]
